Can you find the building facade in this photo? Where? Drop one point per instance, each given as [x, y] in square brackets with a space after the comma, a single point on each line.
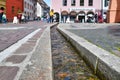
[105, 9]
[114, 11]
[30, 8]
[105, 5]
[13, 7]
[3, 4]
[76, 9]
[42, 8]
[39, 10]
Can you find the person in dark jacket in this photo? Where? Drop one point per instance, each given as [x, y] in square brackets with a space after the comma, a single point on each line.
[1, 13]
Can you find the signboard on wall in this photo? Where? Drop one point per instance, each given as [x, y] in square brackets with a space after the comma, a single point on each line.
[82, 9]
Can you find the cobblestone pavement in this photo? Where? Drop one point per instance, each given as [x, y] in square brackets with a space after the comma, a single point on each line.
[67, 64]
[11, 33]
[13, 65]
[106, 36]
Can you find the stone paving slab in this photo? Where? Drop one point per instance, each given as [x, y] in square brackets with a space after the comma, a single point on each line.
[25, 48]
[8, 72]
[15, 59]
[9, 38]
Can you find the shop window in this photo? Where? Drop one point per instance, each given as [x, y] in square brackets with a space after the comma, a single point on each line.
[81, 2]
[64, 2]
[90, 3]
[73, 2]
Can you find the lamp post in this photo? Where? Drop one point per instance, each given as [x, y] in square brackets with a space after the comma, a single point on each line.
[102, 9]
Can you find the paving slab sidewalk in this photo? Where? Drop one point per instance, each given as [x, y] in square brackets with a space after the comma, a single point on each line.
[31, 61]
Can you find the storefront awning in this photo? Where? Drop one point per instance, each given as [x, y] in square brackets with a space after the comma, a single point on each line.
[64, 13]
[90, 15]
[90, 12]
[81, 13]
[73, 13]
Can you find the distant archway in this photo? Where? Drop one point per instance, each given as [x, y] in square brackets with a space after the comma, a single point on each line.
[73, 15]
[90, 13]
[81, 13]
[56, 16]
[64, 13]
[81, 16]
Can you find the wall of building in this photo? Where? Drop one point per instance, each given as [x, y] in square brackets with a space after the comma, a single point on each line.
[57, 5]
[39, 10]
[13, 7]
[76, 13]
[3, 4]
[30, 8]
[114, 11]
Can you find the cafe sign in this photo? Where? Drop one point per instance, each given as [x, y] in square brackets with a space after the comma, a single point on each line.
[82, 9]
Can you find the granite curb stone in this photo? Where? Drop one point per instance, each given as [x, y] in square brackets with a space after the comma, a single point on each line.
[104, 64]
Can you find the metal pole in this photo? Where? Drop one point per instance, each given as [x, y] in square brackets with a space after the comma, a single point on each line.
[60, 16]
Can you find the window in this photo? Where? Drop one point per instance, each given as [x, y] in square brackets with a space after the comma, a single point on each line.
[28, 5]
[25, 4]
[81, 2]
[64, 2]
[13, 9]
[106, 3]
[73, 2]
[90, 3]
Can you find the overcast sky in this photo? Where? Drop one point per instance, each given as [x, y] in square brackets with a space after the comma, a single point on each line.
[48, 2]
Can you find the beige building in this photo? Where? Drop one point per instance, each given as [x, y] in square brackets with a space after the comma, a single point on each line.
[3, 3]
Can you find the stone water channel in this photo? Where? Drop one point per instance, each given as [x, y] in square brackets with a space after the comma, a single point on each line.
[67, 64]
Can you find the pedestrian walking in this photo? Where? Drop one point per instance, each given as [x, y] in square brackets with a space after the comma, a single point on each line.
[15, 20]
[100, 19]
[1, 13]
[105, 17]
[48, 18]
[4, 19]
[19, 17]
[23, 18]
[96, 18]
[51, 15]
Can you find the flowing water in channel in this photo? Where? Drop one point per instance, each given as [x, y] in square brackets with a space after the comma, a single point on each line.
[67, 64]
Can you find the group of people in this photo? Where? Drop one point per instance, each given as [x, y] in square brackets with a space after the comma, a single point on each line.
[49, 17]
[3, 18]
[20, 18]
[97, 19]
